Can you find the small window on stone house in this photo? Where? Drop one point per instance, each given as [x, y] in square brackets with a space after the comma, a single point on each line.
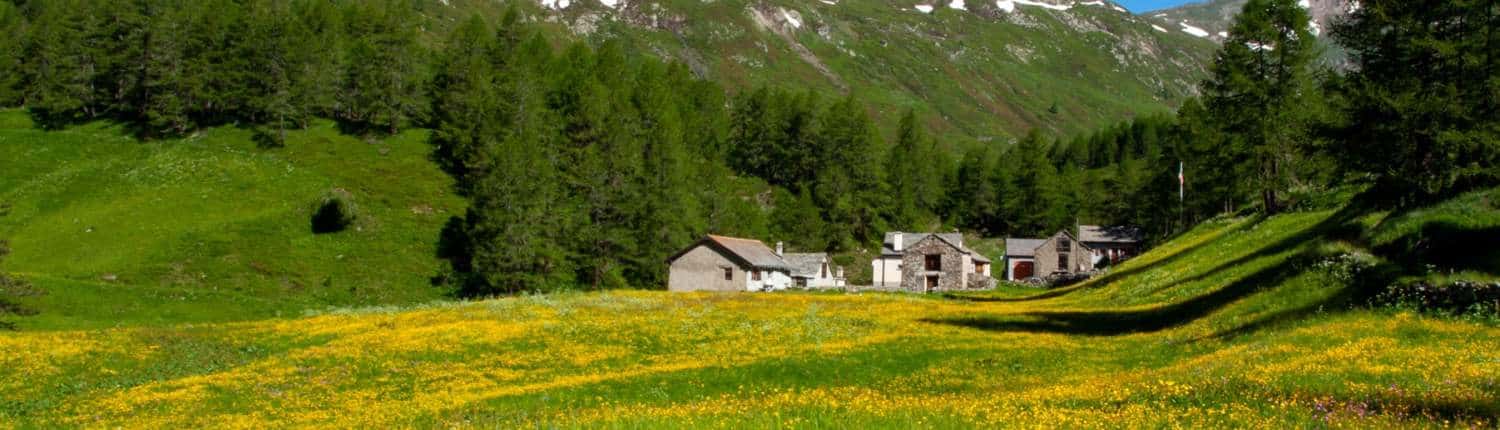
[825, 271]
[755, 275]
[728, 274]
[934, 262]
[1062, 263]
[1064, 245]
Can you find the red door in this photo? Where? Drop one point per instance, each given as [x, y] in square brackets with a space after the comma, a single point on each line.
[1023, 270]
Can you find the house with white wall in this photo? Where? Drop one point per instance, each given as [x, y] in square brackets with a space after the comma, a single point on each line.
[929, 262]
[721, 263]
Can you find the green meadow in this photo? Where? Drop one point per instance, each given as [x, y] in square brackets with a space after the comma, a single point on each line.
[184, 287]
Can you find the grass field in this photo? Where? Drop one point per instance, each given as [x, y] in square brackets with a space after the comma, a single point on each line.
[212, 228]
[185, 289]
[1238, 323]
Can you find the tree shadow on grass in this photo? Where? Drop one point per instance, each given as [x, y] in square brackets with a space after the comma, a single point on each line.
[1111, 276]
[1446, 245]
[1340, 225]
[1113, 323]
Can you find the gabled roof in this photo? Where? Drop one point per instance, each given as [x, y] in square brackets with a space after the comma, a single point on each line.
[1109, 234]
[888, 247]
[749, 252]
[807, 265]
[910, 239]
[1017, 247]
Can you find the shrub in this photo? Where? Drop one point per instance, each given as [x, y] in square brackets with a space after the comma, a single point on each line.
[1457, 297]
[335, 212]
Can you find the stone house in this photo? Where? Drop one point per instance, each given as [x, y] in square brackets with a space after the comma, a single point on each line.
[719, 263]
[1020, 258]
[1060, 254]
[923, 262]
[1111, 243]
[812, 270]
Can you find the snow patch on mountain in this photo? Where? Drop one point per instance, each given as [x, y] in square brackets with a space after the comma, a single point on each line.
[1189, 29]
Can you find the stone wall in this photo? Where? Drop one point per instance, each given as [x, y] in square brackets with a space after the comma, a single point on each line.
[1047, 257]
[914, 273]
[702, 269]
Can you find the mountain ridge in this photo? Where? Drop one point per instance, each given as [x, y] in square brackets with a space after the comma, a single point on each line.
[974, 71]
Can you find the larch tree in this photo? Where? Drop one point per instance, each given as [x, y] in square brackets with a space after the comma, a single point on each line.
[1260, 83]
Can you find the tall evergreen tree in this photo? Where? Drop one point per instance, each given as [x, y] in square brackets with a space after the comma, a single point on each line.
[911, 173]
[59, 65]
[12, 30]
[1423, 99]
[1260, 85]
[383, 90]
[1033, 206]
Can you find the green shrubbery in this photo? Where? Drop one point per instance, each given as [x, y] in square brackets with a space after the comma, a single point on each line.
[335, 212]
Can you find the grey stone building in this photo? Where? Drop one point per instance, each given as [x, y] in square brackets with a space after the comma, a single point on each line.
[921, 262]
[1060, 254]
[719, 263]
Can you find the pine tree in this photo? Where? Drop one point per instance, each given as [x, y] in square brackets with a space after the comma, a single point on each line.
[909, 173]
[1423, 101]
[58, 65]
[518, 215]
[467, 110]
[12, 30]
[1261, 82]
[848, 185]
[1033, 205]
[383, 90]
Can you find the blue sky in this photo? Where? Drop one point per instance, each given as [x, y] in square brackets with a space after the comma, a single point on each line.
[1139, 6]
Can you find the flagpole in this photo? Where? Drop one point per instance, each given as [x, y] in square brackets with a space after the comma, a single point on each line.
[1181, 196]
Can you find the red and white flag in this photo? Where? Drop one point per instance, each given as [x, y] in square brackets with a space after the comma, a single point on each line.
[1181, 182]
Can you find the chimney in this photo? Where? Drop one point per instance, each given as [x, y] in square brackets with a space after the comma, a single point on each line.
[778, 249]
[896, 243]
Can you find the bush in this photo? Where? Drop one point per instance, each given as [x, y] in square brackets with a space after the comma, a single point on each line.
[335, 212]
[1457, 297]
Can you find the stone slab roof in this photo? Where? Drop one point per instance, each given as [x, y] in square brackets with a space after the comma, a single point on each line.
[1109, 234]
[1017, 247]
[888, 247]
[806, 265]
[749, 252]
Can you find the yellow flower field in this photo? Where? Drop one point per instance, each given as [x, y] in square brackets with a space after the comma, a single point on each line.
[648, 359]
[1179, 351]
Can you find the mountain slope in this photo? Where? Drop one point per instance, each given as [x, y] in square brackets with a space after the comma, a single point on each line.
[975, 70]
[212, 228]
[1238, 323]
[1214, 17]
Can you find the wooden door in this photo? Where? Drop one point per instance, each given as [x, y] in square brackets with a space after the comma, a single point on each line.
[1024, 269]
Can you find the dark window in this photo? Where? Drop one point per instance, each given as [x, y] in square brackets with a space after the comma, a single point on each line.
[932, 282]
[755, 275]
[825, 270]
[728, 274]
[1062, 263]
[934, 262]
[1064, 245]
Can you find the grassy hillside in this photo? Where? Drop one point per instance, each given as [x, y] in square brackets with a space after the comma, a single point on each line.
[979, 73]
[212, 228]
[1237, 323]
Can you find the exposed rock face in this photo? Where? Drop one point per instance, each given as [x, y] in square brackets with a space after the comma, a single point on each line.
[1215, 17]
